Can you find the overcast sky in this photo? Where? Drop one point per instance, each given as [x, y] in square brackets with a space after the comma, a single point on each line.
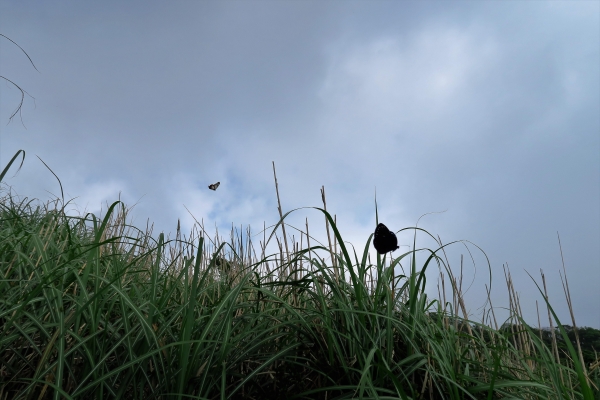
[487, 110]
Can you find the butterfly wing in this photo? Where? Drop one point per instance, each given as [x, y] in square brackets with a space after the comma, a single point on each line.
[392, 242]
[379, 238]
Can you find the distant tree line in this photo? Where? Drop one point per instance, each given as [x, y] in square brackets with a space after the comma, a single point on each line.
[589, 338]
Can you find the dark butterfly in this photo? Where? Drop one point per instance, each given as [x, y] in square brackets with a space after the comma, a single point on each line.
[214, 186]
[385, 240]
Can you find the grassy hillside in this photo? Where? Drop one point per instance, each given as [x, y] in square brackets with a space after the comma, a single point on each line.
[97, 309]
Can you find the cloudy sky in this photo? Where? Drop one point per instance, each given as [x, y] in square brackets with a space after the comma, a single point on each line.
[489, 111]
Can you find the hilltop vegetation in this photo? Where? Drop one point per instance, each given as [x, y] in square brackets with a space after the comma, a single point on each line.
[94, 308]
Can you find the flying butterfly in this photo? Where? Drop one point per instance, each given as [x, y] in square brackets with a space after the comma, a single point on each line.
[214, 186]
[385, 240]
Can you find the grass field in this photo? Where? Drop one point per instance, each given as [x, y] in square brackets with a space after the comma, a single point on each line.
[97, 309]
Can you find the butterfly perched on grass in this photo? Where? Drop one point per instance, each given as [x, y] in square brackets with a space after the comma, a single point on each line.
[214, 186]
[385, 240]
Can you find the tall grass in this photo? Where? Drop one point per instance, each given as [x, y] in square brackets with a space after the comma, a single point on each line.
[96, 309]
